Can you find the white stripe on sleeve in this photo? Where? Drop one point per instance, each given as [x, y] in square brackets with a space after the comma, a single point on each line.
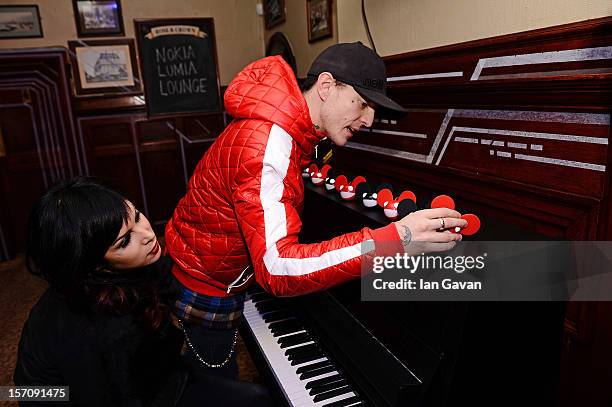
[275, 165]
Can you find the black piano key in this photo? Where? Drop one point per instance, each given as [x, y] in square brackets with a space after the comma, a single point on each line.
[304, 359]
[325, 380]
[281, 324]
[270, 312]
[303, 349]
[328, 387]
[317, 372]
[293, 340]
[305, 355]
[332, 393]
[299, 351]
[313, 366]
[260, 296]
[287, 329]
[268, 305]
[277, 315]
[345, 402]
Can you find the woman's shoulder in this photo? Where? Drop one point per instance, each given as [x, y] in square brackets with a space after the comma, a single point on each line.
[53, 320]
[51, 333]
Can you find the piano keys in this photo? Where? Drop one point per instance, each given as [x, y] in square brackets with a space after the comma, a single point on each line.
[304, 371]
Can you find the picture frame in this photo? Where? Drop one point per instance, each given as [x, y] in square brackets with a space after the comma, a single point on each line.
[95, 18]
[274, 12]
[320, 19]
[102, 67]
[20, 21]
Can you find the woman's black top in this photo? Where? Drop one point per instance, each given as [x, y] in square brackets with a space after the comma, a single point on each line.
[106, 360]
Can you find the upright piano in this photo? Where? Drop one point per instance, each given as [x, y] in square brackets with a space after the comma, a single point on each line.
[516, 128]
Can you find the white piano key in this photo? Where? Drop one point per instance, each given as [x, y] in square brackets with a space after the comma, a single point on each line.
[337, 398]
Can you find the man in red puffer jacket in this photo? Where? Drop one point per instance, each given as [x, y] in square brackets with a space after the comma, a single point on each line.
[240, 216]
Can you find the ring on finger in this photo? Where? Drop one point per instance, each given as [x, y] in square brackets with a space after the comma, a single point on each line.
[442, 224]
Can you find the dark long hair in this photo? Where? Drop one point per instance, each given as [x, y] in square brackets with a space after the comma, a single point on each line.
[70, 228]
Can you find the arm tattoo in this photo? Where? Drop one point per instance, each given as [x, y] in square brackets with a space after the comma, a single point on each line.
[407, 237]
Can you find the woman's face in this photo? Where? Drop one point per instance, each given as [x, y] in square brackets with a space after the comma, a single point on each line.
[135, 245]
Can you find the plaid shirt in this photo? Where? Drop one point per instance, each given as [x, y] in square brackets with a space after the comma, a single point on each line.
[210, 312]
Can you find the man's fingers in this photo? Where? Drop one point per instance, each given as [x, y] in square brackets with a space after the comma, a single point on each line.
[439, 213]
[440, 237]
[449, 223]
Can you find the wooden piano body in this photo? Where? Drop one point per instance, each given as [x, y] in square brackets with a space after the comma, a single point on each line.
[516, 128]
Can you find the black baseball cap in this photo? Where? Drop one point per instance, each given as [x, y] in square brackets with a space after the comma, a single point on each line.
[359, 66]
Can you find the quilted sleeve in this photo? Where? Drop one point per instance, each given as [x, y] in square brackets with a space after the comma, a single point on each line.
[265, 200]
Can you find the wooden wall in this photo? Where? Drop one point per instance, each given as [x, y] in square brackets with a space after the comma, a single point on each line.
[48, 135]
[38, 136]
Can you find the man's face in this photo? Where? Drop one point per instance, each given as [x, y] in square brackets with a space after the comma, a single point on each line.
[344, 112]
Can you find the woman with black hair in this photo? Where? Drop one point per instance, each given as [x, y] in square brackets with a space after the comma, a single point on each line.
[103, 327]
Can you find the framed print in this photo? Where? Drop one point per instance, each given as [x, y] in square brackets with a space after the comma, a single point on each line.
[20, 22]
[178, 58]
[98, 17]
[104, 67]
[274, 12]
[320, 19]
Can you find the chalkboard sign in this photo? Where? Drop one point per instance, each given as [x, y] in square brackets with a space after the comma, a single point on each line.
[178, 58]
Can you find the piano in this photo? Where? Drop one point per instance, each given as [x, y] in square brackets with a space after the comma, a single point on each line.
[524, 146]
[398, 354]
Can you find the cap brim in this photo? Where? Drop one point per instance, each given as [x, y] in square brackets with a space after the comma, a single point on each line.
[380, 99]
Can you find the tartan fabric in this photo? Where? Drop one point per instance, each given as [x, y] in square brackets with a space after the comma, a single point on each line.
[209, 312]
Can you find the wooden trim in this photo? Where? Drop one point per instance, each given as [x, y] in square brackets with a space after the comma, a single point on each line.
[583, 29]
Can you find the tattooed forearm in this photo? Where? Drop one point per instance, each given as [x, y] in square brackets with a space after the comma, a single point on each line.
[407, 236]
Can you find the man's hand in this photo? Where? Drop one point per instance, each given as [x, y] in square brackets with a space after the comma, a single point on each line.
[425, 231]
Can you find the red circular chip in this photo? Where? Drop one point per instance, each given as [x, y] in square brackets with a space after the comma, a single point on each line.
[473, 224]
[443, 201]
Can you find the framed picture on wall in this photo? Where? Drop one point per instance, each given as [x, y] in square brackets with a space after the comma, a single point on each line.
[320, 19]
[20, 22]
[274, 12]
[98, 18]
[104, 67]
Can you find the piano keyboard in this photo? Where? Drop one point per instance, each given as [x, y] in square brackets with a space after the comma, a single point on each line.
[304, 372]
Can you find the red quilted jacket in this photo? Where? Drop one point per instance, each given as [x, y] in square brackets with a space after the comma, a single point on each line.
[243, 201]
